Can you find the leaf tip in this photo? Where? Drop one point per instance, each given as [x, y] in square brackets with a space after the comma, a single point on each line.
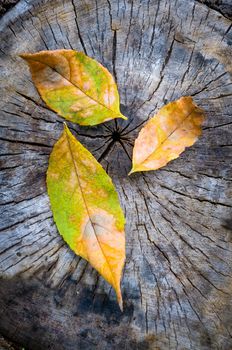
[23, 56]
[133, 170]
[118, 295]
[123, 117]
[120, 303]
[66, 130]
[119, 299]
[65, 127]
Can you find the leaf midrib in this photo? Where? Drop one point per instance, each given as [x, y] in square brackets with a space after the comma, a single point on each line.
[82, 194]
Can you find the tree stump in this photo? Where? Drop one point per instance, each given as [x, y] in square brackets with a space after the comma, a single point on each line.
[177, 279]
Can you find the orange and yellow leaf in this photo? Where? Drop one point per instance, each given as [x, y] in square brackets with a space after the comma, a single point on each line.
[165, 136]
[86, 208]
[75, 86]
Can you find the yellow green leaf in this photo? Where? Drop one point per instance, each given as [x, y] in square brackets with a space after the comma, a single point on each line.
[165, 136]
[86, 208]
[75, 86]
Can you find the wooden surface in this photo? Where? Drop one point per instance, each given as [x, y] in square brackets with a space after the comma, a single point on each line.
[177, 280]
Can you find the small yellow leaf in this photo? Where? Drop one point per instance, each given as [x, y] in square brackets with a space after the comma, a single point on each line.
[74, 85]
[86, 208]
[165, 136]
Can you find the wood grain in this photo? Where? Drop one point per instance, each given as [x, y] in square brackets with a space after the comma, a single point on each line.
[177, 278]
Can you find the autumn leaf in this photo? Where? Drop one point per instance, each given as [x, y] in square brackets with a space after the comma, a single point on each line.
[165, 136]
[75, 86]
[86, 208]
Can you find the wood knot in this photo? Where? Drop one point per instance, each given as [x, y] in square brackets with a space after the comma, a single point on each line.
[116, 136]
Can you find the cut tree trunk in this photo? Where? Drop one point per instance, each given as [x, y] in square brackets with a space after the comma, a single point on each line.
[177, 279]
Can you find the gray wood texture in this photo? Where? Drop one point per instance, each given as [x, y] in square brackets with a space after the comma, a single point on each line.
[177, 279]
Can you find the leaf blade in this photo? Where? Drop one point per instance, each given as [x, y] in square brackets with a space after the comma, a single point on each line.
[75, 86]
[166, 135]
[87, 213]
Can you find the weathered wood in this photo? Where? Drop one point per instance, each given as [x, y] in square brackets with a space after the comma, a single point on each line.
[177, 278]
